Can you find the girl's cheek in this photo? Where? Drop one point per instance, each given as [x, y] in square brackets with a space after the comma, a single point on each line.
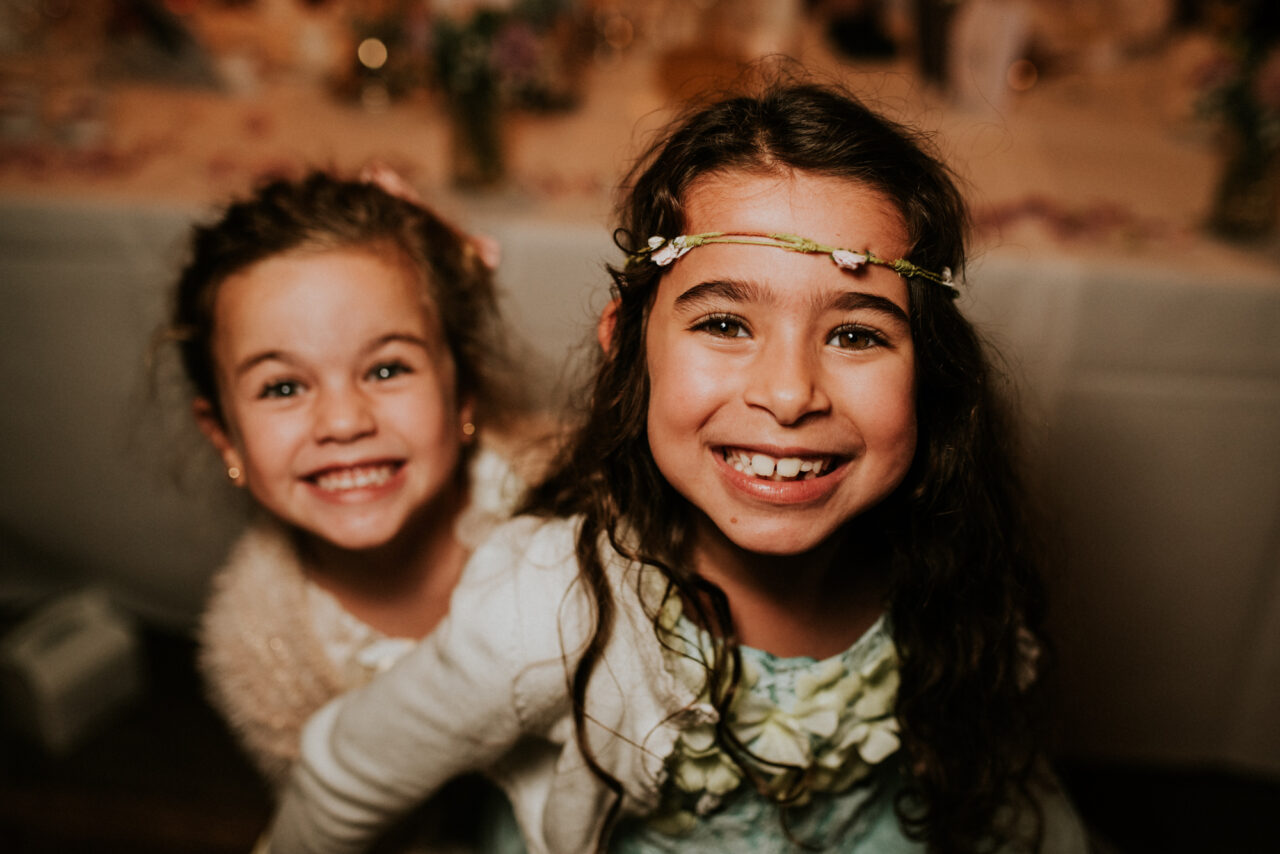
[685, 385]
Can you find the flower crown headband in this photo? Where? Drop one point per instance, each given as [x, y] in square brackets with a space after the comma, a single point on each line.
[663, 252]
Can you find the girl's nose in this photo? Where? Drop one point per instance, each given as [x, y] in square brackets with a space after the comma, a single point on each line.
[786, 380]
[343, 415]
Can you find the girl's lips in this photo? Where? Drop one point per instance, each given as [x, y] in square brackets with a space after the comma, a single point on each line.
[822, 477]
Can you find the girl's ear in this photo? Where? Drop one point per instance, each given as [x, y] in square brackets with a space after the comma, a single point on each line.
[608, 320]
[211, 426]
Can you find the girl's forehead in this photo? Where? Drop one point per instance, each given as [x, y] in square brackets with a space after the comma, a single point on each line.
[333, 288]
[828, 209]
[352, 265]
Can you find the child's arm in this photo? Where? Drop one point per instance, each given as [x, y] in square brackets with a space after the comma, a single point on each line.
[457, 703]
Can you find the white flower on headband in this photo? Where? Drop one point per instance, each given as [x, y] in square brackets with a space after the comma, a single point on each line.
[946, 277]
[663, 255]
[847, 259]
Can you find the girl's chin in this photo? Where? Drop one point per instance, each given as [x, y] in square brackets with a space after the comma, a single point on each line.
[780, 548]
[359, 540]
[778, 540]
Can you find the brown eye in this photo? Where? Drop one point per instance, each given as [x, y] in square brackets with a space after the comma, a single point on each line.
[723, 326]
[855, 338]
[388, 370]
[282, 388]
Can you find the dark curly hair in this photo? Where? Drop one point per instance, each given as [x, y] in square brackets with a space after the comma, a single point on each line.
[964, 594]
[323, 211]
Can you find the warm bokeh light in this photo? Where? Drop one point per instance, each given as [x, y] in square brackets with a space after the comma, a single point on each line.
[372, 53]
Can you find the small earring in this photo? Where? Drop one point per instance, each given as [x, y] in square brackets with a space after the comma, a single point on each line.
[468, 429]
[233, 472]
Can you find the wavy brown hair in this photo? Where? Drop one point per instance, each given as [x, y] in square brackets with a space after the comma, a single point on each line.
[324, 211]
[964, 595]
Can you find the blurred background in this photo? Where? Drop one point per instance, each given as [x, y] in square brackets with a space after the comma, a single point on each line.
[1122, 158]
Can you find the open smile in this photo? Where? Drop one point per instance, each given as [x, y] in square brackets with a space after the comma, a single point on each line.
[347, 478]
[781, 469]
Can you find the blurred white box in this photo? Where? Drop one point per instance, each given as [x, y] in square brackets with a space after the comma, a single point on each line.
[67, 668]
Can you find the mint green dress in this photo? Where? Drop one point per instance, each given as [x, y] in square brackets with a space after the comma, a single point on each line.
[833, 717]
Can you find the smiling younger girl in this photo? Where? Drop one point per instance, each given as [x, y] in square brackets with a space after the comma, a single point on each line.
[340, 339]
[777, 593]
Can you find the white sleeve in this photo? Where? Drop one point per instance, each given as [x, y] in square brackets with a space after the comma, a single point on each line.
[450, 706]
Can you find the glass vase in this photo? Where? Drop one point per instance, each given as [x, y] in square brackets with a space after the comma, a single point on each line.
[477, 155]
[1246, 202]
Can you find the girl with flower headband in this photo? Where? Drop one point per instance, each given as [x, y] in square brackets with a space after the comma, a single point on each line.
[777, 592]
[341, 341]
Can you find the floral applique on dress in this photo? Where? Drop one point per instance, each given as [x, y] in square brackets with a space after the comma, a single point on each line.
[817, 728]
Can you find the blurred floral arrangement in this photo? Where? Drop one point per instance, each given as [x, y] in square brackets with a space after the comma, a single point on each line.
[1240, 85]
[1239, 90]
[482, 56]
[528, 51]
[524, 53]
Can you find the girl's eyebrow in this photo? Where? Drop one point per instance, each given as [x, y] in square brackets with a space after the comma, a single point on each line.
[738, 291]
[731, 290]
[861, 301]
[373, 346]
[253, 361]
[392, 337]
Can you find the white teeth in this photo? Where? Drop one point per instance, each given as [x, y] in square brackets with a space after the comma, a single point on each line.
[788, 466]
[762, 465]
[355, 478]
[765, 466]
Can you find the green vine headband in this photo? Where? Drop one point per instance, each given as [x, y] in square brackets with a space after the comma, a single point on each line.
[664, 252]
